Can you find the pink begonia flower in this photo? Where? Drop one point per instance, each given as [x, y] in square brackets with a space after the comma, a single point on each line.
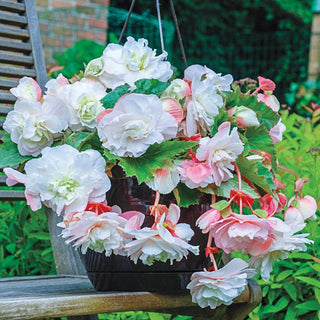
[128, 63]
[285, 241]
[266, 84]
[173, 107]
[203, 107]
[53, 86]
[165, 179]
[194, 173]
[301, 208]
[136, 122]
[106, 231]
[245, 117]
[249, 233]
[270, 100]
[219, 152]
[271, 204]
[214, 288]
[207, 219]
[299, 183]
[196, 71]
[64, 179]
[27, 89]
[178, 90]
[277, 131]
[32, 125]
[166, 240]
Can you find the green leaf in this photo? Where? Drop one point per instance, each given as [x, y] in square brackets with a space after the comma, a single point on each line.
[264, 113]
[309, 305]
[291, 313]
[311, 281]
[283, 275]
[291, 290]
[77, 139]
[40, 236]
[256, 173]
[221, 117]
[261, 213]
[150, 86]
[317, 294]
[145, 166]
[259, 139]
[11, 247]
[220, 205]
[301, 255]
[185, 196]
[232, 184]
[110, 99]
[9, 154]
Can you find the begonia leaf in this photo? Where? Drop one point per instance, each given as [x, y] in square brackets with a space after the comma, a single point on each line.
[185, 196]
[110, 99]
[145, 166]
[264, 113]
[9, 154]
[256, 173]
[258, 138]
[150, 86]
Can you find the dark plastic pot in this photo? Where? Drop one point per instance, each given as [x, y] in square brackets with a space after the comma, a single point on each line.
[118, 273]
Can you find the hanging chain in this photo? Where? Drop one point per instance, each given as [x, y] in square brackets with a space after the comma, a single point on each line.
[175, 20]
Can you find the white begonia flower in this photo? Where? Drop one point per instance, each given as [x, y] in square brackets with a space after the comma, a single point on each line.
[214, 288]
[196, 71]
[98, 232]
[136, 122]
[82, 99]
[64, 179]
[178, 89]
[32, 126]
[277, 131]
[284, 243]
[131, 62]
[159, 244]
[53, 86]
[203, 107]
[220, 151]
[245, 117]
[165, 179]
[94, 68]
[27, 89]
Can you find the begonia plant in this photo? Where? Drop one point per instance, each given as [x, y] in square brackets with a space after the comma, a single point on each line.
[201, 134]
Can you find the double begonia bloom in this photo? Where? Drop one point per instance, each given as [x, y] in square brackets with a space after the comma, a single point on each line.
[64, 179]
[245, 117]
[107, 231]
[219, 152]
[285, 241]
[271, 205]
[208, 218]
[53, 86]
[166, 240]
[178, 90]
[27, 89]
[128, 63]
[214, 288]
[32, 125]
[136, 122]
[249, 233]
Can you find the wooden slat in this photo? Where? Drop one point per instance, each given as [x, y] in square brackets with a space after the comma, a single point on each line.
[7, 84]
[4, 110]
[57, 296]
[10, 195]
[12, 6]
[13, 19]
[7, 97]
[17, 72]
[16, 59]
[15, 46]
[14, 33]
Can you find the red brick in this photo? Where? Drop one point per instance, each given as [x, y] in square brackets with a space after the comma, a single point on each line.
[97, 23]
[42, 3]
[102, 2]
[101, 36]
[44, 27]
[61, 4]
[68, 43]
[85, 10]
[62, 31]
[85, 35]
[72, 20]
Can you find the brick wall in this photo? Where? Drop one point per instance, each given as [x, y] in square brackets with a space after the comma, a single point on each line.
[63, 22]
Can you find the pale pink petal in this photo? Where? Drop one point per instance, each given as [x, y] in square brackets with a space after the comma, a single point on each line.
[14, 176]
[173, 107]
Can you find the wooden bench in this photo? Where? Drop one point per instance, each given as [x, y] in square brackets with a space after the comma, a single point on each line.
[70, 293]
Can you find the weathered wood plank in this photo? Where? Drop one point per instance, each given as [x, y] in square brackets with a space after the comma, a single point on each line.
[10, 195]
[14, 33]
[13, 19]
[64, 296]
[6, 85]
[7, 97]
[15, 46]
[12, 6]
[17, 72]
[4, 109]
[16, 59]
